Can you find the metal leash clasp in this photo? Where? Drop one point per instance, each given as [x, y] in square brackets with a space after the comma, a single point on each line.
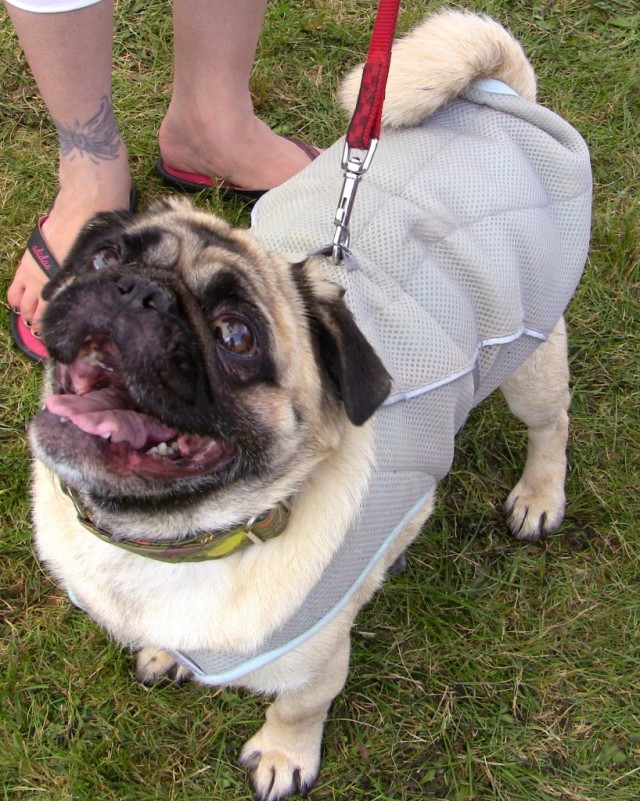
[354, 163]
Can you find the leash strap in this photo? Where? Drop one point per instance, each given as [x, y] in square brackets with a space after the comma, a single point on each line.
[364, 129]
[365, 123]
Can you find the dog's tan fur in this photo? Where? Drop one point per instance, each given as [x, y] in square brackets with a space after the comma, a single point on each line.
[153, 607]
[461, 48]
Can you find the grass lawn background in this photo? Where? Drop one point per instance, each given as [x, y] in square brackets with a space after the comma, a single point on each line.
[490, 669]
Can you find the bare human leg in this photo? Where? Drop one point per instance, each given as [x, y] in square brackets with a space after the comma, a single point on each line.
[210, 127]
[73, 74]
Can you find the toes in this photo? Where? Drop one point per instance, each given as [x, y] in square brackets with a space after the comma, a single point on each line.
[279, 771]
[154, 665]
[24, 293]
[19, 284]
[530, 516]
[275, 776]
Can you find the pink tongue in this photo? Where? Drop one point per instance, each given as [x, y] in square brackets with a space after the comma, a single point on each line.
[104, 412]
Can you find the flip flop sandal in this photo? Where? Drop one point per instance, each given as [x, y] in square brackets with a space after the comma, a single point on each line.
[193, 182]
[24, 338]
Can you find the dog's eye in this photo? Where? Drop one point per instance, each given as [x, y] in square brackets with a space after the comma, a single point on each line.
[105, 257]
[234, 335]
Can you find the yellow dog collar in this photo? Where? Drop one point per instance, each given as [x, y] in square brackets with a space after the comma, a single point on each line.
[208, 545]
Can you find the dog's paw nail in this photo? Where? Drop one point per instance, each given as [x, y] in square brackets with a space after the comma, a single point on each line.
[250, 760]
[400, 565]
[280, 769]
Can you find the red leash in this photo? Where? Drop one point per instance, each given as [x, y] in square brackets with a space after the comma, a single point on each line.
[365, 123]
[364, 129]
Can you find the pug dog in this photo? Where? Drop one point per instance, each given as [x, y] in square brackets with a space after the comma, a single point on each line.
[220, 404]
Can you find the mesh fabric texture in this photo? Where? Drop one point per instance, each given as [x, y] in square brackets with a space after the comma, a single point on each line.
[468, 237]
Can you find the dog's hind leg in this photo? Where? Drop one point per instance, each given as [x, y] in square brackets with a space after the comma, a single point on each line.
[284, 756]
[538, 393]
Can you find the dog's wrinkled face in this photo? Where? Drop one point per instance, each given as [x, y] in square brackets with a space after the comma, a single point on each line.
[186, 359]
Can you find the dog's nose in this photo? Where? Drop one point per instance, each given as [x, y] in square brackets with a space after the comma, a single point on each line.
[139, 291]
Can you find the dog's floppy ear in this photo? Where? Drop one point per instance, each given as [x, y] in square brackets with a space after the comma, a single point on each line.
[351, 363]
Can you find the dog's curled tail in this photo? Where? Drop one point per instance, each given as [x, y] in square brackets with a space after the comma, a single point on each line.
[438, 60]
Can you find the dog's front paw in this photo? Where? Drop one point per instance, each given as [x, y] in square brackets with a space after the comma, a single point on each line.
[533, 513]
[280, 769]
[154, 665]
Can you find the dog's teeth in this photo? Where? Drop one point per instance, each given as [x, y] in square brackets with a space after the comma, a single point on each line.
[106, 435]
[63, 419]
[92, 356]
[164, 449]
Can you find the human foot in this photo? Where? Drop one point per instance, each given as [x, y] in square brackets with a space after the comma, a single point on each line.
[59, 228]
[185, 181]
[247, 159]
[81, 196]
[48, 245]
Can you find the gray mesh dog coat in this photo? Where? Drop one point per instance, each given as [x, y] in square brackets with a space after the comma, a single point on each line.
[468, 237]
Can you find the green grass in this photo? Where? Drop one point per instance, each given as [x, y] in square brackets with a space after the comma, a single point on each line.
[490, 669]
